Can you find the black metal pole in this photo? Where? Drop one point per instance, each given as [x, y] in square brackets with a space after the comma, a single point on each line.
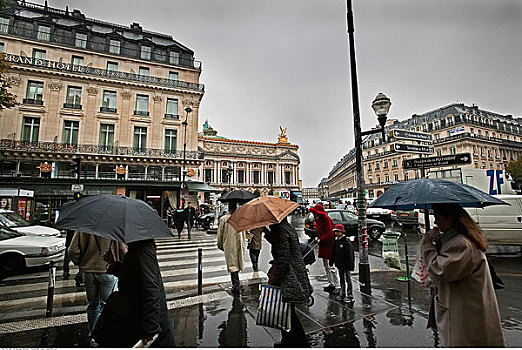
[364, 265]
[200, 271]
[50, 290]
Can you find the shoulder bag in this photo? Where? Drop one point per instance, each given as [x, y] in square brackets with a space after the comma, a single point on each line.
[272, 311]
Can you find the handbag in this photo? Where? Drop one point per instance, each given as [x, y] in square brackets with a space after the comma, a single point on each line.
[119, 323]
[272, 311]
[420, 271]
[497, 281]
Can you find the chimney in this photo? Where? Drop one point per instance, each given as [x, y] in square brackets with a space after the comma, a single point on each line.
[136, 26]
[78, 14]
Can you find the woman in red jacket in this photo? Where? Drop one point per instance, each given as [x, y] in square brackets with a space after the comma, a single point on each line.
[325, 237]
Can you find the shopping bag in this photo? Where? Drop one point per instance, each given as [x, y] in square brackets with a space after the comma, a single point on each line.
[420, 270]
[390, 250]
[272, 311]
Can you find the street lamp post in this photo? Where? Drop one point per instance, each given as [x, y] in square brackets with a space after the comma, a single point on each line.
[185, 123]
[364, 265]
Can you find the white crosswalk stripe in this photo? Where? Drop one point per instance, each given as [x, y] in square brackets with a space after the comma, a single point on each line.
[177, 258]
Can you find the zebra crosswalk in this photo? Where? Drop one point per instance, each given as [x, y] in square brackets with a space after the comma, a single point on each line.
[25, 296]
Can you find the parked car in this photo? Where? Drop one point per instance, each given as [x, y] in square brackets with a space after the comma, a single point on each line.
[349, 220]
[407, 217]
[384, 215]
[19, 251]
[12, 220]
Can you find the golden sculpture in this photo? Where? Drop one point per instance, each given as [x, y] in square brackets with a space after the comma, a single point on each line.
[282, 138]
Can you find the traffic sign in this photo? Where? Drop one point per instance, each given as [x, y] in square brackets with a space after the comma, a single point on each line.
[410, 135]
[77, 187]
[402, 147]
[432, 162]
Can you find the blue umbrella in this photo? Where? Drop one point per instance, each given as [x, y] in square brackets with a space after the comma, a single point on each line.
[115, 217]
[422, 193]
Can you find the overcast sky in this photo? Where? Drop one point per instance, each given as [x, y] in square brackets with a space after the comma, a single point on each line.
[285, 62]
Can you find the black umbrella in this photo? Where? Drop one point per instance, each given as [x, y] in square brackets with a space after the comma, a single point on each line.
[115, 217]
[237, 196]
[422, 193]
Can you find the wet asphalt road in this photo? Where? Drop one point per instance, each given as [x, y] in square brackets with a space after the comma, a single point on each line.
[394, 316]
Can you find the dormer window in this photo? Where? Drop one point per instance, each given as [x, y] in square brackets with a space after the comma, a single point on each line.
[43, 33]
[174, 57]
[146, 52]
[114, 47]
[81, 40]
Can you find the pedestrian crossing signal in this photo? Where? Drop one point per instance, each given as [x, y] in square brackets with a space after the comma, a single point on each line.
[77, 195]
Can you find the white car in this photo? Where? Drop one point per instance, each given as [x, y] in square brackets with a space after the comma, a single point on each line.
[12, 220]
[19, 251]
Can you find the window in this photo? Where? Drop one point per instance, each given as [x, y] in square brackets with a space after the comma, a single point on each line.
[144, 71]
[4, 25]
[453, 150]
[208, 175]
[43, 33]
[394, 162]
[114, 47]
[30, 129]
[171, 137]
[173, 57]
[271, 177]
[140, 138]
[109, 101]
[387, 177]
[74, 97]
[439, 152]
[70, 132]
[81, 40]
[77, 60]
[370, 167]
[34, 93]
[335, 215]
[174, 76]
[288, 178]
[241, 176]
[145, 52]
[172, 109]
[377, 166]
[112, 66]
[256, 176]
[395, 177]
[385, 166]
[1, 47]
[142, 105]
[106, 136]
[40, 54]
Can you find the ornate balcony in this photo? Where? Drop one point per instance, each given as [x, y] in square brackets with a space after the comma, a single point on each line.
[142, 113]
[72, 105]
[54, 147]
[108, 110]
[32, 101]
[171, 116]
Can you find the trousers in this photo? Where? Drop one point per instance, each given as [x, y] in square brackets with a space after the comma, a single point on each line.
[331, 273]
[98, 287]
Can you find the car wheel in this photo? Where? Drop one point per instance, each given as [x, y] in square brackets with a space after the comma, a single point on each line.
[11, 265]
[375, 232]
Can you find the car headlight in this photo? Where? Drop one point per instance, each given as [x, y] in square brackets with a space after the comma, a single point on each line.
[53, 249]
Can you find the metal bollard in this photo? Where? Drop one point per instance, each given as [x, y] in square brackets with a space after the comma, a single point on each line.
[50, 290]
[200, 271]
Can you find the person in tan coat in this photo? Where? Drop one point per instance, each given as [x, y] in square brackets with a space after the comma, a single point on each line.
[464, 307]
[87, 251]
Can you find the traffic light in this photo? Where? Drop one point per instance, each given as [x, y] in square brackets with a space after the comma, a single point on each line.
[77, 196]
[76, 167]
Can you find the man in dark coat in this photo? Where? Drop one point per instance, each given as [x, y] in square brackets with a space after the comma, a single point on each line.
[179, 220]
[344, 259]
[140, 280]
[289, 272]
[190, 216]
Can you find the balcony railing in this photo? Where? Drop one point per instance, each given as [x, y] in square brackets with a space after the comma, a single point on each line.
[142, 113]
[72, 105]
[53, 147]
[32, 101]
[108, 110]
[116, 75]
[171, 116]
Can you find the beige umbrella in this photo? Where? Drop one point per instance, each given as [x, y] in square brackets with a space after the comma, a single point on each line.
[261, 212]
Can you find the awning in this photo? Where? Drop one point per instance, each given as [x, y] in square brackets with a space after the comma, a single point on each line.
[201, 187]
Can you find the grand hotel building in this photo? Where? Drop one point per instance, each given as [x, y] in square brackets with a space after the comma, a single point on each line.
[492, 139]
[115, 96]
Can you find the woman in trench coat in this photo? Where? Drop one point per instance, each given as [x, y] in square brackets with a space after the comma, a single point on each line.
[465, 306]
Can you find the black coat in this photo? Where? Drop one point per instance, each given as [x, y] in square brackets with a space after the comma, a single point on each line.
[343, 256]
[140, 280]
[290, 271]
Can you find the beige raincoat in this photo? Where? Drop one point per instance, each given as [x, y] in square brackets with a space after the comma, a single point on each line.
[465, 305]
[232, 243]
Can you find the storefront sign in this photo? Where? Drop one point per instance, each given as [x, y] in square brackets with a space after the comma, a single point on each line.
[120, 170]
[46, 167]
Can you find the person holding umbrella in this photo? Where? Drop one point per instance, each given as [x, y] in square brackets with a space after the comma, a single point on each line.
[140, 283]
[464, 307]
[325, 238]
[232, 243]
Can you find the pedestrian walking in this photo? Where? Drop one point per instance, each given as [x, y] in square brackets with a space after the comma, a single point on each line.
[190, 215]
[289, 273]
[87, 251]
[254, 246]
[179, 220]
[141, 284]
[343, 257]
[66, 261]
[464, 307]
[233, 244]
[325, 238]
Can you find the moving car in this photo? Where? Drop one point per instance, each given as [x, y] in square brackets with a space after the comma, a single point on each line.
[19, 251]
[12, 220]
[407, 217]
[381, 214]
[349, 220]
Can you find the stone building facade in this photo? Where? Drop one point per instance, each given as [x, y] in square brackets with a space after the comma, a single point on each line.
[249, 165]
[492, 139]
[114, 96]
